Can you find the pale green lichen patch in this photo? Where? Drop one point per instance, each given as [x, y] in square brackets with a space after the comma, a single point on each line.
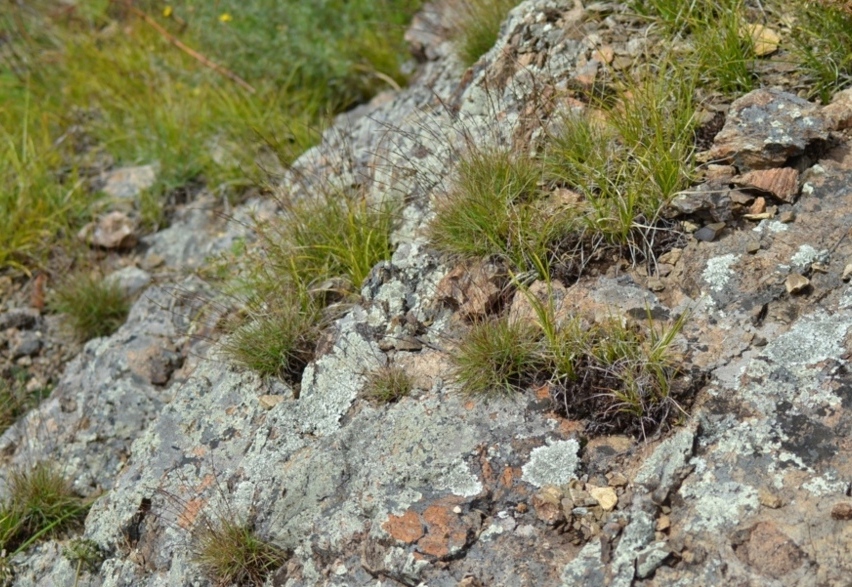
[718, 271]
[554, 464]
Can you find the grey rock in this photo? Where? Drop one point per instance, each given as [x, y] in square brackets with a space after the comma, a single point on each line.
[129, 182]
[650, 558]
[20, 318]
[24, 344]
[765, 128]
[707, 201]
[131, 280]
[710, 232]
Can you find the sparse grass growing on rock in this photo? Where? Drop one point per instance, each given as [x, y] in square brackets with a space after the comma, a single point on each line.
[230, 552]
[15, 400]
[309, 264]
[39, 502]
[388, 384]
[478, 25]
[93, 306]
[616, 376]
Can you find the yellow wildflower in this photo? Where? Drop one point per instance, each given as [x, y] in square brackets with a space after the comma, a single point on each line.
[225, 17]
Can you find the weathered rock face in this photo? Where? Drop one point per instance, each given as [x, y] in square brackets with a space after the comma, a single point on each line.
[436, 489]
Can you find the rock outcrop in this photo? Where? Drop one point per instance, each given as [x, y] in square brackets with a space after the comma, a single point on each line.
[751, 487]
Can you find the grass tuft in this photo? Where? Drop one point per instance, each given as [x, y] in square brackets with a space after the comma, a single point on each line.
[308, 265]
[388, 384]
[231, 553]
[39, 502]
[93, 306]
[496, 358]
[478, 26]
[15, 400]
[616, 376]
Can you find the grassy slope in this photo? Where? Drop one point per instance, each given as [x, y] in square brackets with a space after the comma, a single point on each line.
[92, 83]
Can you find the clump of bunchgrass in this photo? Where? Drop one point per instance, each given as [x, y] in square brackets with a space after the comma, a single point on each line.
[616, 376]
[478, 25]
[388, 384]
[491, 210]
[308, 265]
[39, 502]
[277, 334]
[719, 48]
[627, 161]
[231, 552]
[497, 357]
[93, 306]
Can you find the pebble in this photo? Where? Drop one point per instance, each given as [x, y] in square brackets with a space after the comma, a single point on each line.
[605, 497]
[847, 272]
[710, 232]
[787, 217]
[769, 499]
[267, 402]
[796, 283]
[752, 247]
[842, 511]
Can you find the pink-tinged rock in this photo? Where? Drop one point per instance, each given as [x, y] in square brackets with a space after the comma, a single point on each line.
[765, 128]
[114, 231]
[473, 290]
[838, 114]
[782, 183]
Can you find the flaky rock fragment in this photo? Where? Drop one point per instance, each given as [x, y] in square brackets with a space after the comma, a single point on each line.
[783, 183]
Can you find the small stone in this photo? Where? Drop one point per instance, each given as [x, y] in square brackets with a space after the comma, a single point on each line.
[605, 54]
[752, 247]
[838, 114]
[129, 182]
[664, 522]
[720, 173]
[847, 272]
[22, 318]
[758, 207]
[522, 508]
[25, 344]
[741, 198]
[769, 499]
[616, 479]
[796, 283]
[114, 231]
[548, 505]
[671, 257]
[130, 280]
[689, 227]
[457, 510]
[267, 402]
[787, 217]
[710, 232]
[656, 284]
[605, 496]
[842, 511]
[764, 40]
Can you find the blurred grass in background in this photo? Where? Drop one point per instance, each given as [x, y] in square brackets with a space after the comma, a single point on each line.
[90, 84]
